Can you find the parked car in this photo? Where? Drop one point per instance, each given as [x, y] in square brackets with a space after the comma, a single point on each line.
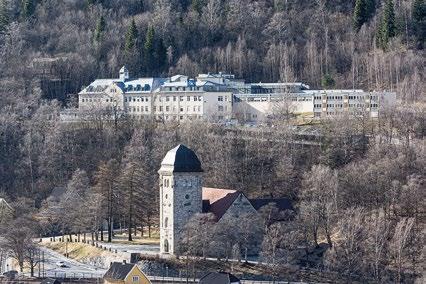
[61, 264]
[11, 274]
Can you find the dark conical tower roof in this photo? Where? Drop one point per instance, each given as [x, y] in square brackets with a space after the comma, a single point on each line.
[181, 159]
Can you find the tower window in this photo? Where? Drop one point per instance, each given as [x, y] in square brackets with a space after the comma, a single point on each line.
[166, 222]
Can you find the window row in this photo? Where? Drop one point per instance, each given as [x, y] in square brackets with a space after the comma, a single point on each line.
[176, 117]
[356, 97]
[335, 105]
[191, 88]
[334, 97]
[356, 105]
[222, 98]
[136, 99]
[137, 109]
[181, 98]
[181, 109]
[97, 100]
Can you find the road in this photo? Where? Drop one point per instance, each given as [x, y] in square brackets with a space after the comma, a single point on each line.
[74, 268]
[143, 249]
[77, 269]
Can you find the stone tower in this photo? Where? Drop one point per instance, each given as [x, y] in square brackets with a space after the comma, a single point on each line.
[180, 195]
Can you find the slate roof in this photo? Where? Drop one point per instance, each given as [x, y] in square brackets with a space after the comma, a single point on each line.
[217, 200]
[281, 203]
[182, 159]
[119, 270]
[219, 278]
[50, 281]
[138, 85]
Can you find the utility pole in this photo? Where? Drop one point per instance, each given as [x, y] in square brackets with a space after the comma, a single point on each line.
[39, 263]
[43, 263]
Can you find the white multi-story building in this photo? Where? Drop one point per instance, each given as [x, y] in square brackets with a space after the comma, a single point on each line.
[215, 97]
[175, 98]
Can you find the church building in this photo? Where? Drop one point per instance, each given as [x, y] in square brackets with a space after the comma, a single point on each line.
[182, 195]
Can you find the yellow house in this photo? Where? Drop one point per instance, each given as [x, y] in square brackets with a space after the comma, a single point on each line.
[125, 273]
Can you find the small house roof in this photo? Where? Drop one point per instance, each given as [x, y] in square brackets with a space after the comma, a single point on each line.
[219, 278]
[182, 159]
[119, 270]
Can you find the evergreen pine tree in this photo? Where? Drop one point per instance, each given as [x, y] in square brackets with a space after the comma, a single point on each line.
[161, 54]
[149, 50]
[364, 10]
[197, 6]
[93, 2]
[327, 81]
[131, 37]
[100, 28]
[28, 8]
[370, 8]
[419, 20]
[4, 15]
[387, 28]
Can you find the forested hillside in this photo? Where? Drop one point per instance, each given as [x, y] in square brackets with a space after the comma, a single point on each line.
[370, 44]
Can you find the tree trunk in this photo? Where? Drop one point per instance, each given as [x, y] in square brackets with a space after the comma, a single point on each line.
[315, 234]
[109, 229]
[130, 229]
[327, 233]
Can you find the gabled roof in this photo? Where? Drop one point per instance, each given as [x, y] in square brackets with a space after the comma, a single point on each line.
[181, 159]
[137, 85]
[217, 200]
[50, 281]
[219, 278]
[119, 270]
[281, 203]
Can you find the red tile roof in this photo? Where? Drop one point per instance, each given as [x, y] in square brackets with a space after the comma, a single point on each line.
[217, 200]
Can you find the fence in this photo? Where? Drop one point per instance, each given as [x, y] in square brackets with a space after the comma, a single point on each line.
[156, 279]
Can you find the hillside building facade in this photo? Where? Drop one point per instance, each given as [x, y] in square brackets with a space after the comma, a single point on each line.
[216, 97]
